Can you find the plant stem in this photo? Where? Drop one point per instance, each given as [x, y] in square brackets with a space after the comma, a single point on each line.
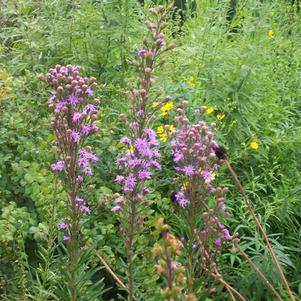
[129, 245]
[219, 277]
[256, 269]
[264, 236]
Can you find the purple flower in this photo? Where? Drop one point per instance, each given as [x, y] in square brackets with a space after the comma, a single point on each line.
[75, 136]
[116, 209]
[173, 265]
[90, 109]
[141, 145]
[119, 201]
[66, 237]
[207, 176]
[76, 117]
[60, 105]
[63, 226]
[79, 200]
[129, 183]
[85, 129]
[85, 209]
[89, 91]
[154, 164]
[181, 200]
[218, 242]
[79, 179]
[141, 52]
[227, 235]
[144, 175]
[119, 179]
[145, 190]
[178, 156]
[188, 170]
[58, 166]
[134, 163]
[125, 140]
[73, 99]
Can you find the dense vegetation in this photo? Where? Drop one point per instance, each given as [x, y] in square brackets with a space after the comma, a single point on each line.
[238, 62]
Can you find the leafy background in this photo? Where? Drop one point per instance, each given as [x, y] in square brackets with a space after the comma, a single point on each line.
[247, 69]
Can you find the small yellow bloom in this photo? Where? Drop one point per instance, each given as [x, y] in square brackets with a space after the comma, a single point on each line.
[270, 33]
[185, 185]
[220, 116]
[254, 145]
[166, 108]
[163, 137]
[172, 128]
[191, 81]
[160, 129]
[131, 148]
[155, 104]
[210, 110]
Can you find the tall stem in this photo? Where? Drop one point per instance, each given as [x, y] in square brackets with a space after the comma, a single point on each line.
[263, 235]
[129, 245]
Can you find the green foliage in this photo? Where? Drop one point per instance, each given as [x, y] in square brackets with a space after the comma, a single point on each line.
[248, 70]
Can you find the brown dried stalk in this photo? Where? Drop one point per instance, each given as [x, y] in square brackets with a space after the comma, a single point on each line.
[256, 269]
[263, 235]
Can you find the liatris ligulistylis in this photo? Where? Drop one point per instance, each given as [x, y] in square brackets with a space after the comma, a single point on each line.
[202, 204]
[141, 146]
[73, 122]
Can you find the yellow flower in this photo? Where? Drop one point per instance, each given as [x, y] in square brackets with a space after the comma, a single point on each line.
[220, 116]
[270, 33]
[210, 110]
[185, 185]
[163, 137]
[172, 128]
[166, 108]
[191, 81]
[155, 104]
[131, 148]
[160, 129]
[254, 145]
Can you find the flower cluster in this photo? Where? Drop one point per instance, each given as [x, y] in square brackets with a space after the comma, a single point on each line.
[137, 164]
[73, 122]
[193, 150]
[74, 116]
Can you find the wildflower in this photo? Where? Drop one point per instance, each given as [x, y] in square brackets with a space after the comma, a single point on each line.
[58, 166]
[154, 104]
[254, 145]
[188, 170]
[75, 136]
[210, 110]
[220, 116]
[171, 128]
[66, 237]
[207, 176]
[181, 199]
[116, 209]
[163, 137]
[218, 242]
[191, 82]
[166, 108]
[270, 33]
[63, 226]
[160, 129]
[85, 209]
